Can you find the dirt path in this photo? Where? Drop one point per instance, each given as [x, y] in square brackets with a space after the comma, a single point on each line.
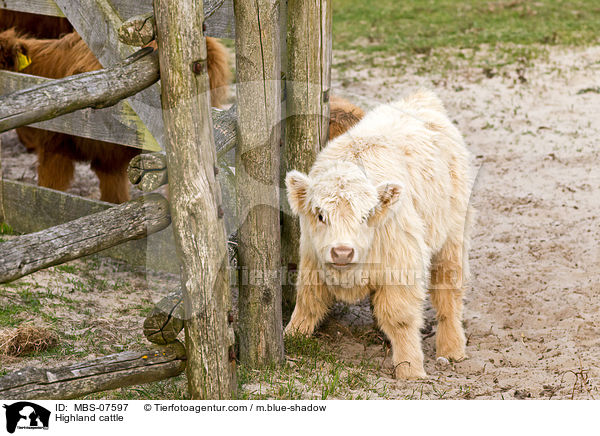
[533, 307]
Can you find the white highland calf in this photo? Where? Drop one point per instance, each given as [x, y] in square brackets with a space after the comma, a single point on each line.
[384, 212]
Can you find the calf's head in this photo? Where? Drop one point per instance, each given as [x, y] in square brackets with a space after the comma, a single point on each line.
[339, 210]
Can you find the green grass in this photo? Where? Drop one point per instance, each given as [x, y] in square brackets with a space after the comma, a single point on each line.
[5, 229]
[512, 29]
[313, 369]
[10, 315]
[417, 26]
[27, 303]
[67, 268]
[174, 389]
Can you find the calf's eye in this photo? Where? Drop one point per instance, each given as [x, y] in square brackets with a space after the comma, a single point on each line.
[321, 218]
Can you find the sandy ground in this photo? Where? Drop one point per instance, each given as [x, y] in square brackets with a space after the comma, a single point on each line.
[532, 310]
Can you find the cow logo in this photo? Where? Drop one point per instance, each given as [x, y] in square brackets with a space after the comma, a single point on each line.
[26, 415]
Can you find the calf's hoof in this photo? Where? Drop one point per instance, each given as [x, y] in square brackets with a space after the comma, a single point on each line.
[454, 355]
[404, 371]
[291, 330]
[452, 348]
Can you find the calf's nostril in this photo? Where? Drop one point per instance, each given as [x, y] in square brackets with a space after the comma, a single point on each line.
[342, 254]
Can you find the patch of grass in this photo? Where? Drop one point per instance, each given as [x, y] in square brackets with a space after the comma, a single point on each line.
[5, 229]
[78, 285]
[510, 29]
[595, 90]
[9, 315]
[174, 389]
[62, 350]
[306, 346]
[30, 300]
[138, 309]
[417, 26]
[14, 312]
[313, 369]
[66, 268]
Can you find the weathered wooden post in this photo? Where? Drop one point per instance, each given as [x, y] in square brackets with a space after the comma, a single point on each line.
[195, 198]
[258, 90]
[1, 187]
[307, 100]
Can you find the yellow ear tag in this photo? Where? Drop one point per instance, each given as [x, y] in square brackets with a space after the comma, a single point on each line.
[23, 61]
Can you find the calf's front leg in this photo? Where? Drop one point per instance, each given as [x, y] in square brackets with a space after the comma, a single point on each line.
[399, 313]
[312, 302]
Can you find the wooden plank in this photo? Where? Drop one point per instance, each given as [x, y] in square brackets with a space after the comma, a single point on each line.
[118, 124]
[195, 197]
[1, 185]
[87, 235]
[219, 25]
[31, 208]
[307, 100]
[105, 373]
[42, 7]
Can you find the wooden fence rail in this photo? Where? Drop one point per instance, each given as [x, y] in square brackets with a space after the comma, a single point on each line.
[132, 220]
[109, 372]
[118, 124]
[96, 89]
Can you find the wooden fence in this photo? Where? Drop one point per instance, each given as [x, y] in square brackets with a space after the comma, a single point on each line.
[274, 40]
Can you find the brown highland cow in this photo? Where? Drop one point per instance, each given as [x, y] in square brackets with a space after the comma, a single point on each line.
[342, 116]
[39, 26]
[57, 152]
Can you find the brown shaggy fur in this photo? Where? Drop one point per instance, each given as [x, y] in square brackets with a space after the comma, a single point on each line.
[219, 74]
[342, 116]
[40, 26]
[57, 152]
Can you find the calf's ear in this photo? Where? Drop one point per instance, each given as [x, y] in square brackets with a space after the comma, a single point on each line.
[388, 194]
[297, 187]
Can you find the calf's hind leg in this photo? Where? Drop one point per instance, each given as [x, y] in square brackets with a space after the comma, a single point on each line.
[446, 290]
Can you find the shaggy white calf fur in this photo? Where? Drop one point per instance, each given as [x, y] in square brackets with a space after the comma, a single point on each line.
[383, 211]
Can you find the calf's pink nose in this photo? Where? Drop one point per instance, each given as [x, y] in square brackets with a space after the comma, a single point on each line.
[342, 254]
